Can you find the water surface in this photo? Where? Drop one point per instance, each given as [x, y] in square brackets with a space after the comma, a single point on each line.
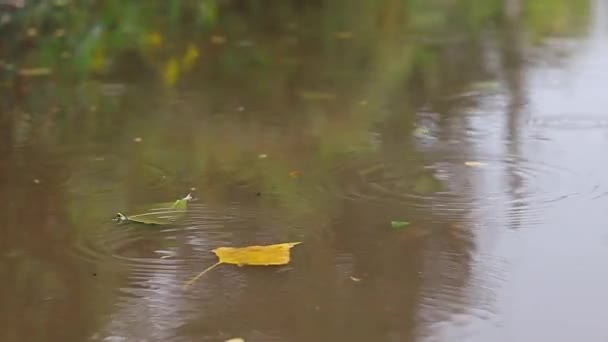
[484, 126]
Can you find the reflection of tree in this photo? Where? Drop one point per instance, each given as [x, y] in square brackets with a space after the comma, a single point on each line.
[455, 290]
[513, 54]
[309, 89]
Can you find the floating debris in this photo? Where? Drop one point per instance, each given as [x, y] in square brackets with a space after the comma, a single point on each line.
[474, 164]
[399, 224]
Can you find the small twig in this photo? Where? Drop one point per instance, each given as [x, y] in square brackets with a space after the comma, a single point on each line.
[191, 281]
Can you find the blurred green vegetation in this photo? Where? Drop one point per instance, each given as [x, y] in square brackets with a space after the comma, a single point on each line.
[168, 39]
[209, 85]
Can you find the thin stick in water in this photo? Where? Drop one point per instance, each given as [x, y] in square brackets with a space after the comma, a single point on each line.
[191, 281]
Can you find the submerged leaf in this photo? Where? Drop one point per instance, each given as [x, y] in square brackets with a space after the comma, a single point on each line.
[155, 218]
[399, 224]
[277, 254]
[160, 214]
[426, 182]
[182, 204]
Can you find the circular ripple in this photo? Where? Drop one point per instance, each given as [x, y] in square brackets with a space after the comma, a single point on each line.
[511, 187]
[174, 252]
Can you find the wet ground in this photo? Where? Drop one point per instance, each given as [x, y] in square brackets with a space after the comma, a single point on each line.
[488, 136]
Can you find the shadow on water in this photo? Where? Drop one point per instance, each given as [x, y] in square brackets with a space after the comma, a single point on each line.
[311, 121]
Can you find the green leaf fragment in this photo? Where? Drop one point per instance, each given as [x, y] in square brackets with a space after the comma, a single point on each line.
[399, 224]
[161, 214]
[182, 204]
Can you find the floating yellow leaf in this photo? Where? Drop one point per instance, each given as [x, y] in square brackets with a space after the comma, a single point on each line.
[255, 255]
[277, 254]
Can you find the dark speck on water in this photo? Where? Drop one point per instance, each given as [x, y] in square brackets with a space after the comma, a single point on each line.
[482, 122]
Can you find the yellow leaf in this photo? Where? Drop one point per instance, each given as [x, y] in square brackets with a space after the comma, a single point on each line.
[255, 255]
[171, 72]
[277, 254]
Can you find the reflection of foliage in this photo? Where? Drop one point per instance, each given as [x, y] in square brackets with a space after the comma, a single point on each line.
[169, 36]
[89, 35]
[557, 17]
[328, 71]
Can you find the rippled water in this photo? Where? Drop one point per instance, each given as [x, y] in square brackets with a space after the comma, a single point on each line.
[449, 186]
[489, 140]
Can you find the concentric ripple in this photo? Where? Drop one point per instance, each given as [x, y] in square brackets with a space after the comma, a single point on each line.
[171, 251]
[454, 187]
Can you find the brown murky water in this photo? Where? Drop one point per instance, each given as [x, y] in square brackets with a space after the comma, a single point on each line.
[485, 127]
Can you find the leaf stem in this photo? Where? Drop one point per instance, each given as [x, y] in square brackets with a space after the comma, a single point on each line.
[191, 281]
